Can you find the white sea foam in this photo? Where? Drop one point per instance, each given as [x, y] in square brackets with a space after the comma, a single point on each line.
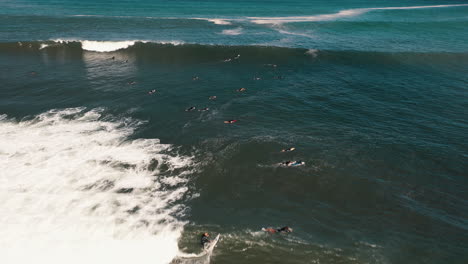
[312, 52]
[75, 189]
[340, 14]
[286, 32]
[105, 46]
[43, 46]
[217, 21]
[232, 32]
[109, 46]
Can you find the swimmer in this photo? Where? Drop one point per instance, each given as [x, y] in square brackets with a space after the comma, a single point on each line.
[205, 239]
[285, 229]
[204, 109]
[288, 150]
[213, 97]
[241, 90]
[152, 92]
[230, 121]
[190, 109]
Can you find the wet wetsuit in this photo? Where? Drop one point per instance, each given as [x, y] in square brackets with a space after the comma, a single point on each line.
[204, 240]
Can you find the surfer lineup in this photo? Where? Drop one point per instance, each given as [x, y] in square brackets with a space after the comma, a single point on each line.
[206, 242]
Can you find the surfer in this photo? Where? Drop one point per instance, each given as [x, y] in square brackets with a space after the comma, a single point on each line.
[205, 239]
[285, 229]
[230, 121]
[204, 109]
[290, 163]
[288, 149]
[190, 109]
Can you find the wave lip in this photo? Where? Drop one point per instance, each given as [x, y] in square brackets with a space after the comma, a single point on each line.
[108, 46]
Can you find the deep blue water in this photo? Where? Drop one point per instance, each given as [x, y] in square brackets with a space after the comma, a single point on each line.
[372, 94]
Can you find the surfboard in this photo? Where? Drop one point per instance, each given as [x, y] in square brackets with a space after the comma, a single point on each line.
[209, 248]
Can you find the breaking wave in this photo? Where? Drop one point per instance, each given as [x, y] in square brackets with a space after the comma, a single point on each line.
[75, 189]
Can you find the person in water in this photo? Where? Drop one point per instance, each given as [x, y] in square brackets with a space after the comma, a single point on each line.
[204, 109]
[213, 97]
[290, 163]
[288, 150]
[285, 229]
[205, 239]
[152, 92]
[230, 121]
[241, 90]
[190, 109]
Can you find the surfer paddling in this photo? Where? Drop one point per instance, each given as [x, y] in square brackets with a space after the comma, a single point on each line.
[230, 121]
[285, 229]
[288, 150]
[290, 163]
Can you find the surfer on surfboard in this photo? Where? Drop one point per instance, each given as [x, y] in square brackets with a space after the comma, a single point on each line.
[285, 229]
[205, 239]
[290, 163]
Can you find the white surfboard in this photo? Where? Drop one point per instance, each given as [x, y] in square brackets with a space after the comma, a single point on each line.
[209, 248]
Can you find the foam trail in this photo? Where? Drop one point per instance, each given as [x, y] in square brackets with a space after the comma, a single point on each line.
[217, 21]
[341, 14]
[232, 32]
[282, 31]
[74, 189]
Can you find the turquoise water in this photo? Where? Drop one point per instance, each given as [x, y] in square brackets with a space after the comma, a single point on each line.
[372, 94]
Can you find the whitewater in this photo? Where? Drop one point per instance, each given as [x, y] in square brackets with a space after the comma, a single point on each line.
[75, 189]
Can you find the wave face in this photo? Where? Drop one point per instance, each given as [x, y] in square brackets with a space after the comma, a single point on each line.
[77, 190]
[179, 53]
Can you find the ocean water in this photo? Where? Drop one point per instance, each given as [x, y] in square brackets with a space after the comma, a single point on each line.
[372, 94]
